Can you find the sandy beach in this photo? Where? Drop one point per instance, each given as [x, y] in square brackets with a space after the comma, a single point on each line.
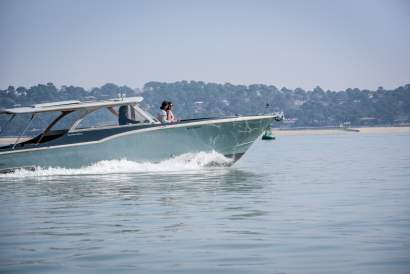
[333, 131]
[10, 140]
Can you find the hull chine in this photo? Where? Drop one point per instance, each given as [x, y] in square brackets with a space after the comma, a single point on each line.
[235, 157]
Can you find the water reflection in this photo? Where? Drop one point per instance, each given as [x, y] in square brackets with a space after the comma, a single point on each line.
[263, 214]
[77, 187]
[168, 189]
[242, 181]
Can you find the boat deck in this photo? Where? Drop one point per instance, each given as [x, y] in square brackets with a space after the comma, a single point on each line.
[11, 140]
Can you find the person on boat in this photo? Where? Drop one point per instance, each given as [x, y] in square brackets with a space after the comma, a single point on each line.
[170, 116]
[163, 115]
[123, 116]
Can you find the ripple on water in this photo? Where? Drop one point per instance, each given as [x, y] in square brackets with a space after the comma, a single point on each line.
[310, 204]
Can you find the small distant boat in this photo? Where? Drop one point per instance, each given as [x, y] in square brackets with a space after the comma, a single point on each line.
[351, 129]
[268, 135]
[72, 145]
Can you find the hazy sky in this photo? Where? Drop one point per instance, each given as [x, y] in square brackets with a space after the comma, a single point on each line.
[334, 44]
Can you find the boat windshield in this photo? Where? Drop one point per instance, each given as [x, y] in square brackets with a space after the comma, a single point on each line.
[109, 117]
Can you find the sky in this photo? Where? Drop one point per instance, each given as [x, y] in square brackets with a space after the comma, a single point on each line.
[332, 44]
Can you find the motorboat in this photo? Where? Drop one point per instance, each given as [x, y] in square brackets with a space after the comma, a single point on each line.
[69, 139]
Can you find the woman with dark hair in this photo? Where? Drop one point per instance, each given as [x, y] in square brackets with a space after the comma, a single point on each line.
[162, 115]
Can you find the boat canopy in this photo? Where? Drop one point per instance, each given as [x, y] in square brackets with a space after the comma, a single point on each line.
[71, 105]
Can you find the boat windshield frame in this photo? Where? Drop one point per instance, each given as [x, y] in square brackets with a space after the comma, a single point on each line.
[67, 107]
[148, 117]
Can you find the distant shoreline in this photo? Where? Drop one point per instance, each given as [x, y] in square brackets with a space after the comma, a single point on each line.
[296, 132]
[332, 131]
[10, 140]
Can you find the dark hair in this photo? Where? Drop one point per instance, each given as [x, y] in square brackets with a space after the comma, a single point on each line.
[123, 109]
[164, 105]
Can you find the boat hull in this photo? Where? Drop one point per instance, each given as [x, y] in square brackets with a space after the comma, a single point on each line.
[231, 137]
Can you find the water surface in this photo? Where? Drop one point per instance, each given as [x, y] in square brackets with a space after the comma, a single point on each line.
[300, 204]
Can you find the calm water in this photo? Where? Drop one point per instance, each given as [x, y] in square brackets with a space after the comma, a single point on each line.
[300, 204]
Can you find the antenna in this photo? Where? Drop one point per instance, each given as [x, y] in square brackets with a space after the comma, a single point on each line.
[267, 107]
[121, 95]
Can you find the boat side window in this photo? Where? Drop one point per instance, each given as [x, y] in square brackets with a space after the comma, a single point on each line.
[24, 127]
[129, 114]
[68, 119]
[52, 125]
[113, 117]
[140, 115]
[102, 117]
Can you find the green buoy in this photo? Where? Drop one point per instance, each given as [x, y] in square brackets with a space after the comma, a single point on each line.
[268, 135]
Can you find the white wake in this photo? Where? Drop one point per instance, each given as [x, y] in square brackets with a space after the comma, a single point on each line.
[189, 161]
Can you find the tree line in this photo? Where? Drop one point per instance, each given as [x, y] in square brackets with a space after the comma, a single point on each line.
[195, 99]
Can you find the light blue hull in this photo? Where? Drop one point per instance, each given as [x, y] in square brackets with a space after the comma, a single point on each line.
[230, 137]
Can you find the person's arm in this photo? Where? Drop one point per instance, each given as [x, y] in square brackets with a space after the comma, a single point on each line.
[171, 117]
[132, 121]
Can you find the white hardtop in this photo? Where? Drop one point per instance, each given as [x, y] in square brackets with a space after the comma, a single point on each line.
[71, 105]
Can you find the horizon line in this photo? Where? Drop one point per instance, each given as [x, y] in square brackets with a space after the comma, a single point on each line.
[89, 88]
